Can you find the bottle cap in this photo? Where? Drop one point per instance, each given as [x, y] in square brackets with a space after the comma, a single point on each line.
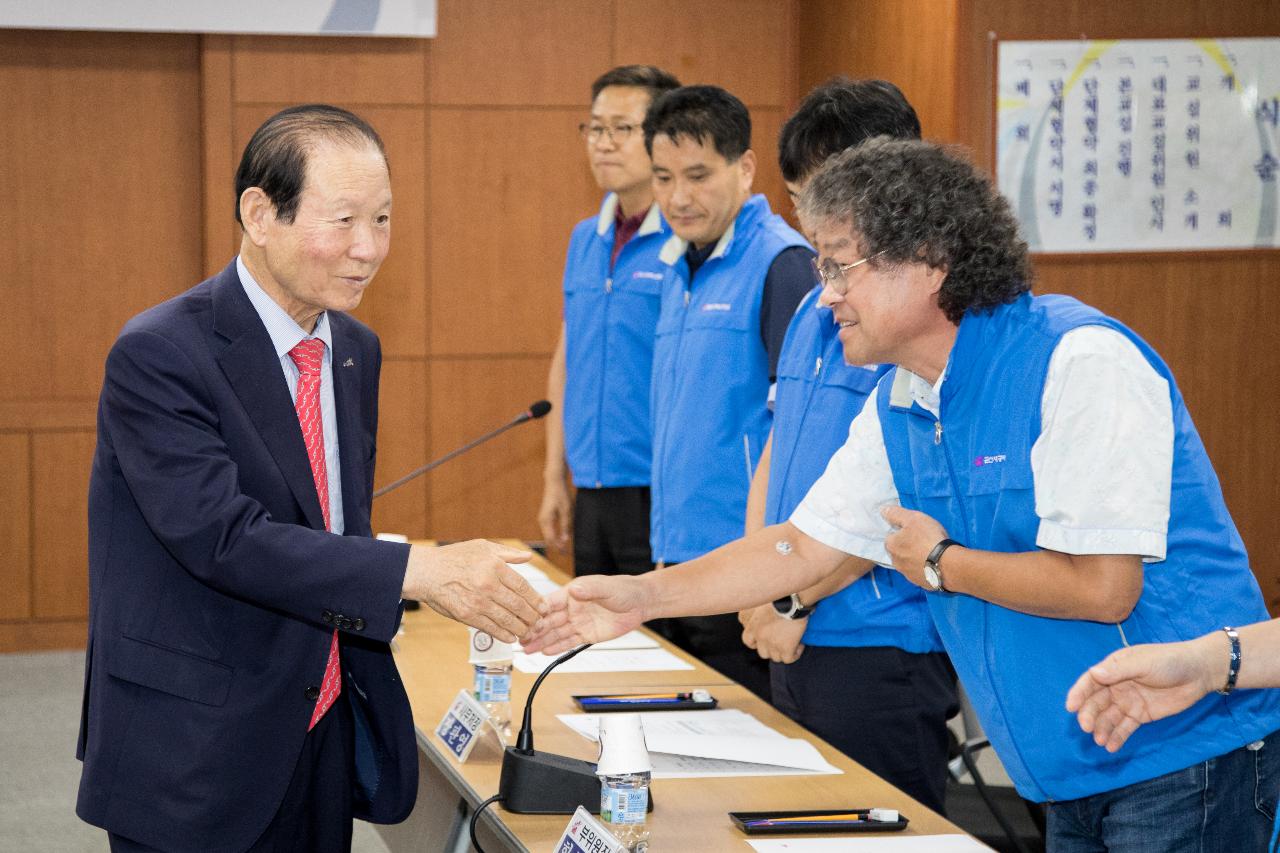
[622, 746]
[487, 649]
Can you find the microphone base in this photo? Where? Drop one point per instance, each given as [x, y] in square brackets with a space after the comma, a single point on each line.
[545, 783]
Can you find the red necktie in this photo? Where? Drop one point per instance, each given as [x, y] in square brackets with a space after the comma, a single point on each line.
[308, 356]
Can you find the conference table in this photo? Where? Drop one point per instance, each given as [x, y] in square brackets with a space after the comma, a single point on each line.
[689, 814]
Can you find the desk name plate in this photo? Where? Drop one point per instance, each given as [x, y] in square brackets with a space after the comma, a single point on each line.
[585, 834]
[461, 724]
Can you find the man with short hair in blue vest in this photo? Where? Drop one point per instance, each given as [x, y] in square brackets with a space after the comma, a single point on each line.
[1033, 467]
[735, 272]
[599, 427]
[859, 646]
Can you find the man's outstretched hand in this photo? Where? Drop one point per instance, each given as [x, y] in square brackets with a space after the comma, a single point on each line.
[590, 609]
[471, 583]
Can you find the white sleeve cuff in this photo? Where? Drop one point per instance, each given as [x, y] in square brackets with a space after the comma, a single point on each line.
[1148, 544]
[817, 527]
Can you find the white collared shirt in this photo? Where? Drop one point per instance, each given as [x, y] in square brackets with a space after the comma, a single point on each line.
[285, 335]
[1102, 465]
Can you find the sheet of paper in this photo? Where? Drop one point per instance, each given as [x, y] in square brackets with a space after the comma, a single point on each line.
[725, 721]
[607, 660]
[667, 766]
[629, 640]
[879, 844]
[688, 744]
[537, 578]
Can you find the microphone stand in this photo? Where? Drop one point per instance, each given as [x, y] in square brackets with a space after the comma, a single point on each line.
[535, 782]
[521, 418]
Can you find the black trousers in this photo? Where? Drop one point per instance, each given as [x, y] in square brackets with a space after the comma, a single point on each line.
[885, 708]
[315, 815]
[611, 531]
[717, 642]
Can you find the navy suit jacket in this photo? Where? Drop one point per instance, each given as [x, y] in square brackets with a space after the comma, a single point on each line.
[214, 588]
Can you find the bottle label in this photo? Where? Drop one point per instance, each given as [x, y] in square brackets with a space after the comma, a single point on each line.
[623, 806]
[493, 687]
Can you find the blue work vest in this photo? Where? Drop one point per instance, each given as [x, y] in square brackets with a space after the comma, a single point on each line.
[609, 323]
[817, 398]
[711, 386]
[974, 476]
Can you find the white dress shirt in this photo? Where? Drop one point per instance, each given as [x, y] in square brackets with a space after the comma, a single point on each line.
[285, 335]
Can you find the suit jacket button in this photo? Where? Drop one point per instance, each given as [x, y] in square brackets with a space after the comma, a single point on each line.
[344, 623]
[327, 616]
[359, 624]
[312, 693]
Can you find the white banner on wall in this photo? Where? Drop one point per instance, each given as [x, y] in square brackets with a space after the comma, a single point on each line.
[296, 17]
[1146, 145]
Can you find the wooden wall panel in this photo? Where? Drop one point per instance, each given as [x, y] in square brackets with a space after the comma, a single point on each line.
[516, 54]
[101, 211]
[766, 123]
[909, 42]
[742, 45]
[101, 198]
[494, 490]
[15, 526]
[304, 69]
[403, 415]
[59, 507]
[506, 189]
[218, 160]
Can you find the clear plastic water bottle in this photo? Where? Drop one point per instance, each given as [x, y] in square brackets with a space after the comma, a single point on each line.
[493, 690]
[624, 805]
[624, 770]
[491, 660]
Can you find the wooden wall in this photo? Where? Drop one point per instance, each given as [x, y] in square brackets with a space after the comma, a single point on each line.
[116, 192]
[100, 217]
[1204, 312]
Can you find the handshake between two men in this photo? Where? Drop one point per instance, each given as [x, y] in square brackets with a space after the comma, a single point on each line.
[472, 583]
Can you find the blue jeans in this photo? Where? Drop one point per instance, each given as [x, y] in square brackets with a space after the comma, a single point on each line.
[1224, 805]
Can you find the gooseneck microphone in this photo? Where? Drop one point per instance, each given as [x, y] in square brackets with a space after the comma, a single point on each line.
[535, 411]
[535, 782]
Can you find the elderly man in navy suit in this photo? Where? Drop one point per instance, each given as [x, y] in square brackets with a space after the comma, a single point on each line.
[239, 691]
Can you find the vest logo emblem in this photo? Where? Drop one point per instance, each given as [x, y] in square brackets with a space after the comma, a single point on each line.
[989, 460]
[718, 306]
[651, 276]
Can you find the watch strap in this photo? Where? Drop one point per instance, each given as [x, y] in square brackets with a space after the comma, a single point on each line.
[1233, 671]
[789, 607]
[935, 555]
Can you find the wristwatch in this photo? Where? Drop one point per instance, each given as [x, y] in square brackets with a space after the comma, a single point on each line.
[790, 607]
[932, 571]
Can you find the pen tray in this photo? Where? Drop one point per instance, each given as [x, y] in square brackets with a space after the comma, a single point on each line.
[645, 707]
[743, 821]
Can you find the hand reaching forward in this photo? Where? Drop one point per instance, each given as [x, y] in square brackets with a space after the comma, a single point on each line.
[1141, 684]
[773, 637]
[471, 583]
[590, 609]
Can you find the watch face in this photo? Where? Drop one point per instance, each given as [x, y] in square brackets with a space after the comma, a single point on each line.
[784, 606]
[932, 578]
